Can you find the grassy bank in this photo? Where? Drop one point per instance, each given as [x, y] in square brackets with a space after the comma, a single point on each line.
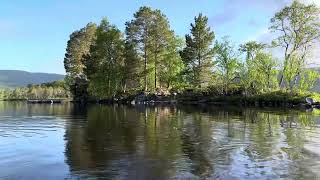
[272, 99]
[277, 98]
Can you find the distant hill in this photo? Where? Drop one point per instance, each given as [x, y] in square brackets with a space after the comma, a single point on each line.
[16, 78]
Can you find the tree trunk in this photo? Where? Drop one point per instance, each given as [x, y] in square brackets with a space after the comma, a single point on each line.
[295, 80]
[145, 70]
[281, 80]
[109, 83]
[155, 71]
[286, 59]
[268, 84]
[124, 87]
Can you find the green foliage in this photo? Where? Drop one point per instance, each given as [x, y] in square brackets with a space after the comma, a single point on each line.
[78, 46]
[171, 67]
[259, 72]
[264, 72]
[150, 41]
[251, 49]
[132, 71]
[279, 97]
[227, 63]
[54, 90]
[297, 27]
[291, 72]
[245, 78]
[107, 52]
[198, 53]
[308, 79]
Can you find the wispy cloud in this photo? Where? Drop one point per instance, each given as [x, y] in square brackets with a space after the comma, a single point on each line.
[314, 59]
[222, 18]
[232, 9]
[265, 36]
[316, 2]
[315, 55]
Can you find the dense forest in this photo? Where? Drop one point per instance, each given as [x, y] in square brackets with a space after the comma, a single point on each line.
[54, 90]
[103, 62]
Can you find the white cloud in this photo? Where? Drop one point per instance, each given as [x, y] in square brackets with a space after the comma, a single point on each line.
[232, 8]
[262, 36]
[265, 36]
[317, 2]
[315, 54]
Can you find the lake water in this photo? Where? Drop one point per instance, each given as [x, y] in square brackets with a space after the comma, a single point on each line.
[66, 141]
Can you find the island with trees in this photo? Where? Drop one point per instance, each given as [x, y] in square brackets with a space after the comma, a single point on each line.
[149, 62]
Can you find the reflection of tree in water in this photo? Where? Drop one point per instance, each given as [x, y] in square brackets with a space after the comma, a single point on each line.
[94, 144]
[145, 142]
[120, 142]
[261, 140]
[24, 109]
[278, 138]
[207, 137]
[295, 128]
[196, 138]
[161, 142]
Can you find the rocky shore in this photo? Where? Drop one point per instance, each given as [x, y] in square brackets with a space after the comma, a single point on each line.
[267, 100]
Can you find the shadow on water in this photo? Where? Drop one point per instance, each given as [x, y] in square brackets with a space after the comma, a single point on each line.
[181, 142]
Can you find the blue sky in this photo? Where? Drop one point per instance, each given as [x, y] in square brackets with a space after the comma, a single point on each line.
[34, 33]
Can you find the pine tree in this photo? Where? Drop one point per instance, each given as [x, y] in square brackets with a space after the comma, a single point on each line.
[132, 67]
[198, 52]
[149, 35]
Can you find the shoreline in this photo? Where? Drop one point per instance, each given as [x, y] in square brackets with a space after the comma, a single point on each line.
[152, 99]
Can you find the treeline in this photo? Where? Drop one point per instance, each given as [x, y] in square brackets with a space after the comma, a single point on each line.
[54, 90]
[102, 62]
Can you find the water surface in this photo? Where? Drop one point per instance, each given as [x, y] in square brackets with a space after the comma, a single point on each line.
[164, 142]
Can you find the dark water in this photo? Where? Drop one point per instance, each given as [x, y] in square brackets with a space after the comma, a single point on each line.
[187, 142]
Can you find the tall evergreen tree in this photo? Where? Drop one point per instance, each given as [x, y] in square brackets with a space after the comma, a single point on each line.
[149, 34]
[198, 52]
